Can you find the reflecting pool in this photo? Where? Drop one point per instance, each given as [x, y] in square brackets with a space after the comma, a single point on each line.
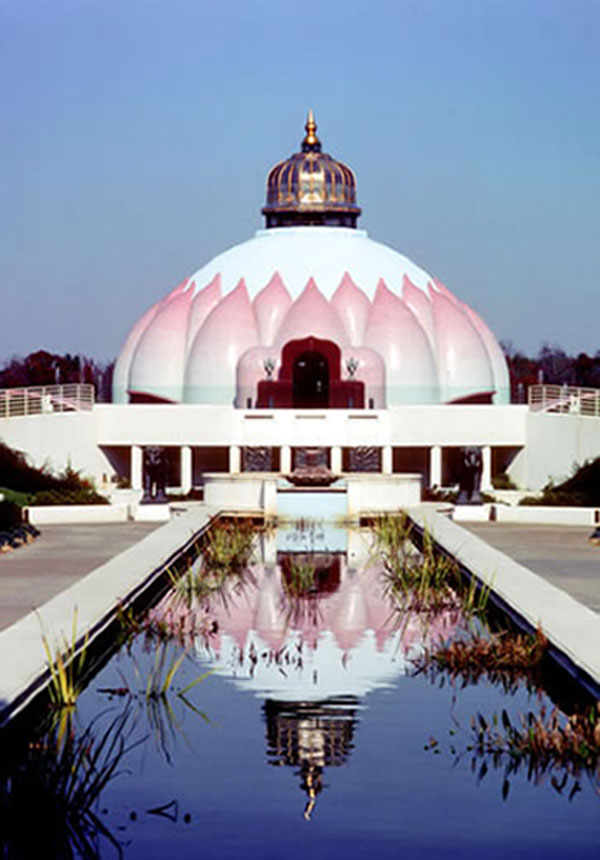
[282, 715]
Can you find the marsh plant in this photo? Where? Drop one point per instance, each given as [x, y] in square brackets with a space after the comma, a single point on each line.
[49, 797]
[300, 578]
[66, 667]
[227, 546]
[543, 744]
[426, 579]
[503, 657]
[153, 696]
[224, 554]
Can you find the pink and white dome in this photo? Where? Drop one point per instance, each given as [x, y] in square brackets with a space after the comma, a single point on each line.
[207, 340]
[311, 288]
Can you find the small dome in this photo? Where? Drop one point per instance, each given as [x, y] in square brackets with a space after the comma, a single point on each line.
[311, 188]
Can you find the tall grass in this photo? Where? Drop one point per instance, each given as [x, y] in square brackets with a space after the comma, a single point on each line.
[505, 658]
[547, 743]
[227, 546]
[48, 798]
[425, 580]
[66, 667]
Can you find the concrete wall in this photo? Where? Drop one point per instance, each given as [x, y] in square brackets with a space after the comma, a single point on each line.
[58, 440]
[60, 514]
[557, 445]
[412, 426]
[370, 493]
[97, 442]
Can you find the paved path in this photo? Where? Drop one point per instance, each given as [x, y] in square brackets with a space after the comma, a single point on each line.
[60, 556]
[560, 554]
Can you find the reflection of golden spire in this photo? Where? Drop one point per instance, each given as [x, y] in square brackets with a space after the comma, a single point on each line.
[313, 784]
[311, 142]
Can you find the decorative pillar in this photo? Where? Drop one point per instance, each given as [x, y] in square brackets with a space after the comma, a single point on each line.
[235, 459]
[285, 459]
[336, 459]
[186, 468]
[386, 460]
[135, 470]
[486, 468]
[435, 466]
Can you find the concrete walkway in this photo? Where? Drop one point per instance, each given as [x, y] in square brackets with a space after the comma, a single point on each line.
[560, 554]
[60, 556]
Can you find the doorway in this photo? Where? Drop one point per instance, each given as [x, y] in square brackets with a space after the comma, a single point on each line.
[310, 380]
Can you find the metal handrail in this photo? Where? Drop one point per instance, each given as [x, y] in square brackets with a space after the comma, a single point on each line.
[46, 399]
[564, 400]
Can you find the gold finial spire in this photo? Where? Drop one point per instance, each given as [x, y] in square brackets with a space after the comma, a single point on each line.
[311, 142]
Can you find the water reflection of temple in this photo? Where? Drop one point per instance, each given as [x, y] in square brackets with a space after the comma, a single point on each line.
[310, 630]
[310, 736]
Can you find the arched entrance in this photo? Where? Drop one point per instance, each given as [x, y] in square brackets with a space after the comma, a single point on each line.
[310, 380]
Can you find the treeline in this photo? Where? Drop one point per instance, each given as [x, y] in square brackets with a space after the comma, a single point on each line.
[47, 368]
[551, 365]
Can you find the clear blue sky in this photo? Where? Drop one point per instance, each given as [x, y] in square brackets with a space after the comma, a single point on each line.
[135, 136]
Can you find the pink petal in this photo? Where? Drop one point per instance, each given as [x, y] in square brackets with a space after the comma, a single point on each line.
[228, 331]
[395, 333]
[123, 364]
[159, 359]
[463, 364]
[311, 314]
[370, 370]
[495, 355]
[352, 307]
[204, 301]
[270, 306]
[420, 305]
[249, 372]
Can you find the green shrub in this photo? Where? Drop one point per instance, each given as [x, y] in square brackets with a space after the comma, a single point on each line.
[503, 482]
[17, 474]
[20, 499]
[10, 515]
[67, 497]
[581, 490]
[27, 485]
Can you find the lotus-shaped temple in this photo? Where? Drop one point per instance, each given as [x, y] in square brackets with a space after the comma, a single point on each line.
[311, 313]
[308, 348]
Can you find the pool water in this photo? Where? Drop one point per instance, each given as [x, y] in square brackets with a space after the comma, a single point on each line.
[311, 735]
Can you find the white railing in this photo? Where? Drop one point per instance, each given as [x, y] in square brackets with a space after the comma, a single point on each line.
[45, 399]
[564, 400]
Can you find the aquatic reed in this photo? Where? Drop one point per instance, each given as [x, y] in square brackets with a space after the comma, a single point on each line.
[227, 546]
[49, 796]
[424, 580]
[66, 667]
[544, 743]
[300, 578]
[504, 657]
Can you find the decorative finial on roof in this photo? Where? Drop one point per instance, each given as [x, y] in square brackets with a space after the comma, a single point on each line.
[310, 188]
[311, 142]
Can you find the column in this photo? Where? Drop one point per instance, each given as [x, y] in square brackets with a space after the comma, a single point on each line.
[486, 468]
[135, 470]
[386, 460]
[285, 459]
[336, 459]
[235, 459]
[186, 468]
[435, 466]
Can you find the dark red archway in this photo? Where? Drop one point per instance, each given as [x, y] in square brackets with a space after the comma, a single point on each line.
[294, 387]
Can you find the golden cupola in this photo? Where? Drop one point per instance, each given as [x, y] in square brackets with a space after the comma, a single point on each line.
[310, 188]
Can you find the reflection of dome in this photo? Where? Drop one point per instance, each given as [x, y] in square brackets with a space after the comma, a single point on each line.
[344, 639]
[237, 330]
[310, 736]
